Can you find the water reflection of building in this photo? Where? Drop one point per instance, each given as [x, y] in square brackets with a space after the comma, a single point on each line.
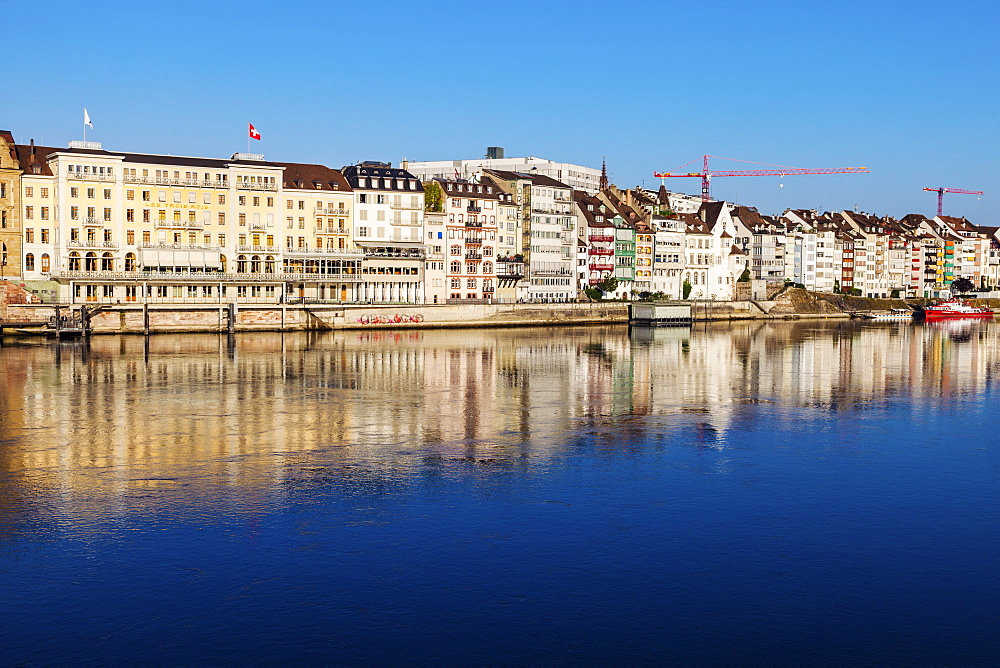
[189, 416]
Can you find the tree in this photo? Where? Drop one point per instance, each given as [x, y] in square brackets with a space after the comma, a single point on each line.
[744, 277]
[686, 287]
[433, 197]
[962, 285]
[609, 284]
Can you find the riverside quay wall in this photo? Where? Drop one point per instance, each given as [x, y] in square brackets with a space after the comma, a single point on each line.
[165, 318]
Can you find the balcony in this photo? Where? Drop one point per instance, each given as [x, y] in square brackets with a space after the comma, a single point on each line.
[166, 246]
[472, 208]
[333, 212]
[474, 241]
[257, 249]
[90, 221]
[89, 243]
[89, 176]
[596, 238]
[473, 256]
[413, 254]
[331, 230]
[321, 251]
[258, 227]
[471, 224]
[594, 266]
[600, 251]
[257, 186]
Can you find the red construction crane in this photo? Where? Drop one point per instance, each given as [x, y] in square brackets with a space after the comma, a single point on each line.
[942, 191]
[706, 176]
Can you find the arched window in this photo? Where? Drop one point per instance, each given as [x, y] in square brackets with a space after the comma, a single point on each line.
[456, 250]
[90, 262]
[74, 261]
[241, 264]
[269, 264]
[222, 261]
[255, 264]
[487, 267]
[488, 250]
[456, 267]
[107, 262]
[29, 262]
[46, 263]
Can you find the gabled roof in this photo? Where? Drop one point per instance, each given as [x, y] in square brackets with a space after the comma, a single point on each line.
[469, 189]
[379, 176]
[312, 177]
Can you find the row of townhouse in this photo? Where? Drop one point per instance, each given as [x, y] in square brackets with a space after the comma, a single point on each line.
[84, 224]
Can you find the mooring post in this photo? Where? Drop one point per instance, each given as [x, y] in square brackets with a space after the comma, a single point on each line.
[232, 318]
[145, 318]
[58, 322]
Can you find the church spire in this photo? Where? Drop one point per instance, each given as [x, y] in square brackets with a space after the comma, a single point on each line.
[604, 174]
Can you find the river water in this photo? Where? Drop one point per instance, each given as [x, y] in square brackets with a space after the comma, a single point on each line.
[762, 493]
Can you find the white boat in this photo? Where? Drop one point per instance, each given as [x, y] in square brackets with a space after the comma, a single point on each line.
[896, 314]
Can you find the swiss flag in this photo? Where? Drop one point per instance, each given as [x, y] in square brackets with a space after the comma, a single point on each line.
[253, 132]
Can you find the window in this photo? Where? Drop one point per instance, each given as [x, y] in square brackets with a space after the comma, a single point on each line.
[456, 250]
[44, 192]
[29, 191]
[91, 193]
[270, 201]
[161, 195]
[107, 193]
[145, 195]
[74, 192]
[222, 239]
[45, 235]
[29, 212]
[362, 199]
[46, 263]
[29, 235]
[456, 267]
[243, 220]
[256, 200]
[29, 262]
[302, 204]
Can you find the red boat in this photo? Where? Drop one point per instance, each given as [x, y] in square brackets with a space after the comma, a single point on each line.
[956, 308]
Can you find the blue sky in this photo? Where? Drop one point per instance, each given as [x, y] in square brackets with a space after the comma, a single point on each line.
[907, 89]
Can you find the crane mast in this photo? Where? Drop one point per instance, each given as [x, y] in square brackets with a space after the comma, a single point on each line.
[942, 191]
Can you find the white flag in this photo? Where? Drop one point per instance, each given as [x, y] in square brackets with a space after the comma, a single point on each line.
[86, 119]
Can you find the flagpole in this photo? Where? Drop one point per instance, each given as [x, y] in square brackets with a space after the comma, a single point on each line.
[84, 124]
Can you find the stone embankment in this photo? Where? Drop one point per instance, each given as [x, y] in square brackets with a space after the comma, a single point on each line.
[167, 318]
